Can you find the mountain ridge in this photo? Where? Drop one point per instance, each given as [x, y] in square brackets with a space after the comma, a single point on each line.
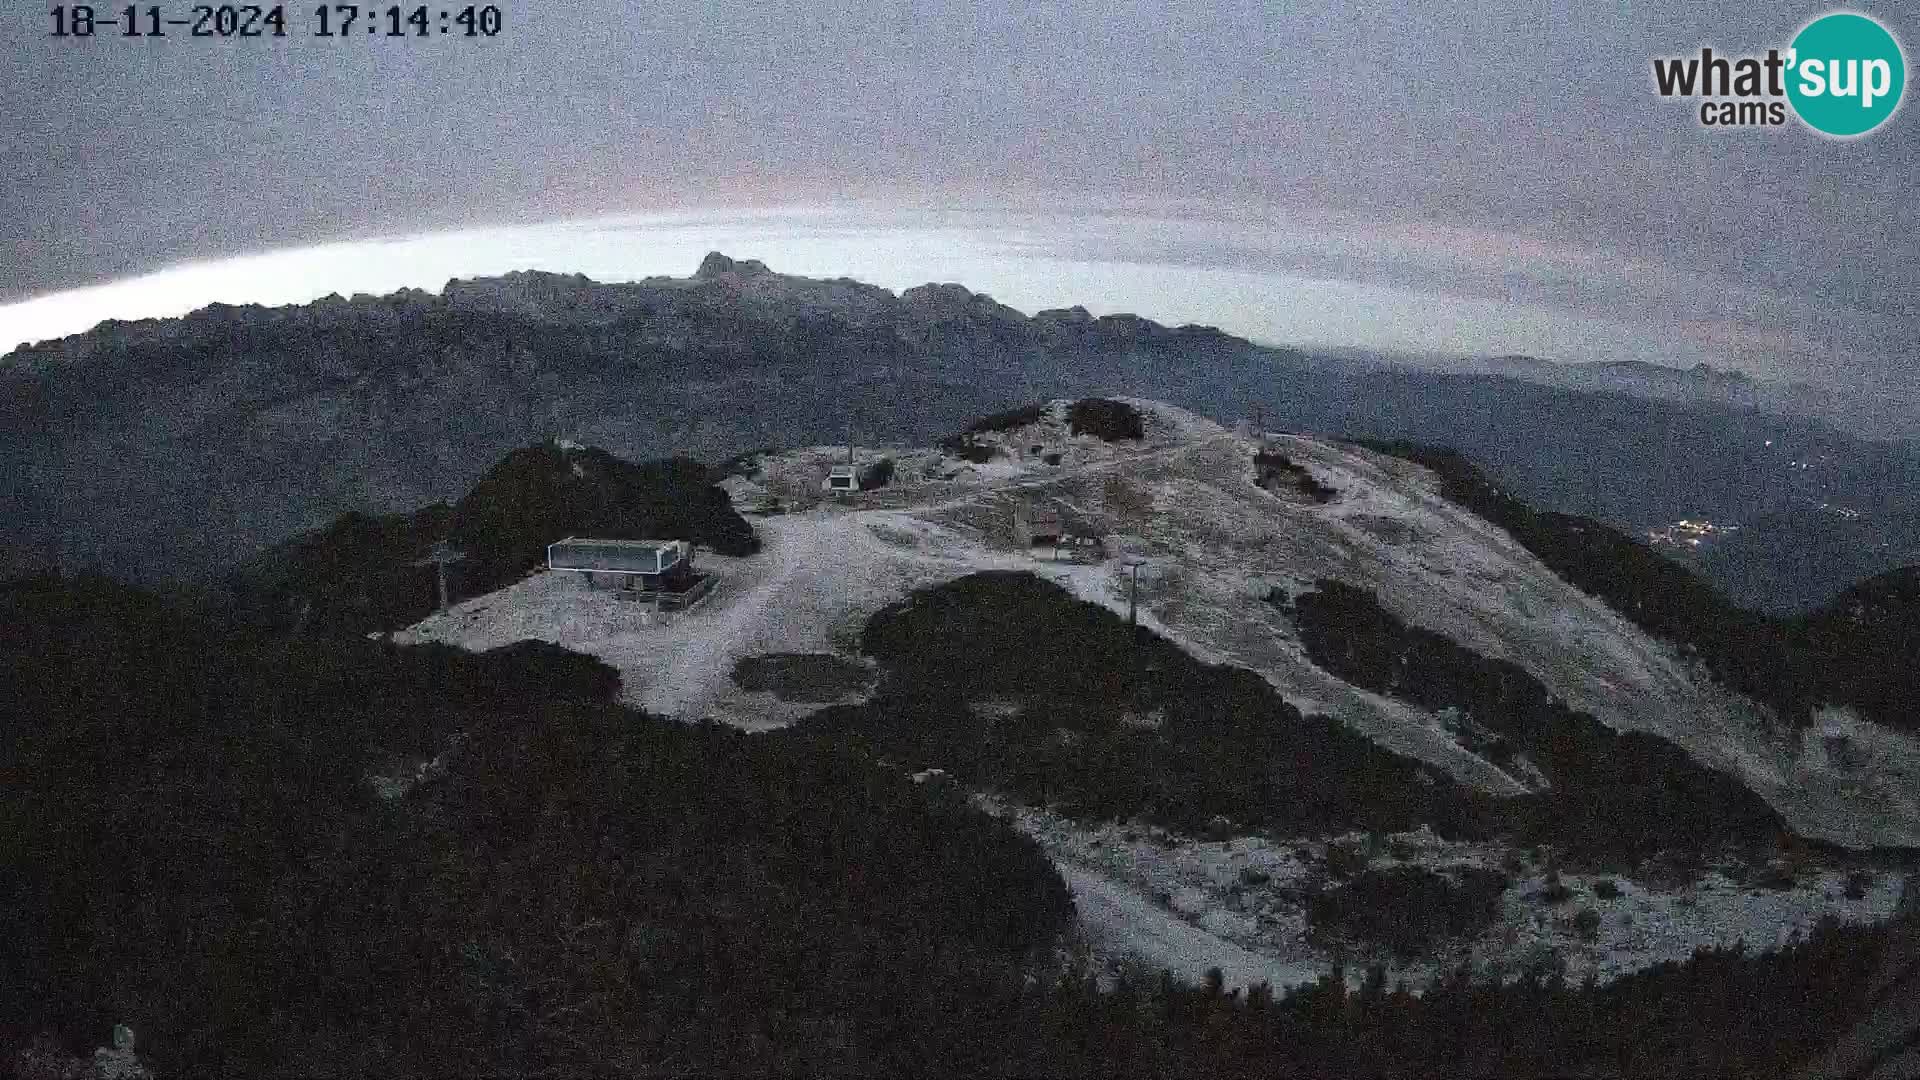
[1185, 500]
[576, 298]
[170, 449]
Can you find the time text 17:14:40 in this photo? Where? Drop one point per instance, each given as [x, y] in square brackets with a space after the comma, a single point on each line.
[258, 21]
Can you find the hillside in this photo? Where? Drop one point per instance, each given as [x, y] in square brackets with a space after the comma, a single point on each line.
[914, 620]
[218, 855]
[233, 427]
[173, 450]
[220, 858]
[1356, 736]
[1862, 646]
[1212, 544]
[1847, 652]
[365, 573]
[1788, 485]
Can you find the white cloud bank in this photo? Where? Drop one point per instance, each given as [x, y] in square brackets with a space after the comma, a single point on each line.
[1310, 281]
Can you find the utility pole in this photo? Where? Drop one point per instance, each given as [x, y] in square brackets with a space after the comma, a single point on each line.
[1133, 596]
[442, 554]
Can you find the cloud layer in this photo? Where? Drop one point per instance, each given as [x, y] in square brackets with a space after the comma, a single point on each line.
[1313, 280]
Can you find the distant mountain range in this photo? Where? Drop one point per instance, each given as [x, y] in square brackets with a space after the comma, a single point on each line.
[1702, 382]
[177, 448]
[1863, 411]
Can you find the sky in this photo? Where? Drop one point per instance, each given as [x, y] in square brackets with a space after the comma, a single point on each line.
[1496, 178]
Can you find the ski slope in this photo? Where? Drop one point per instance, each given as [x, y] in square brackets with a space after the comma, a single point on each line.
[1183, 504]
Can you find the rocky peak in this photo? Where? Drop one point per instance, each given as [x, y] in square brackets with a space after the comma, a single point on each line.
[942, 295]
[946, 302]
[716, 264]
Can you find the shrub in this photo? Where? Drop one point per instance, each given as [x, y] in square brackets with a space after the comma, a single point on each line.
[1273, 469]
[1010, 419]
[1105, 419]
[1861, 646]
[543, 493]
[1858, 882]
[1228, 745]
[1613, 796]
[1606, 889]
[1843, 753]
[877, 475]
[1587, 924]
[1554, 891]
[744, 464]
[967, 448]
[1315, 490]
[1408, 909]
[801, 677]
[1346, 860]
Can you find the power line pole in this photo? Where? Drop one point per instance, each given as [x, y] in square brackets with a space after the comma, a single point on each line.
[1133, 596]
[442, 554]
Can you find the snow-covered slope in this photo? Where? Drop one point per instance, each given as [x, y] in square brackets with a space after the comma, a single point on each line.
[1183, 506]
[1183, 503]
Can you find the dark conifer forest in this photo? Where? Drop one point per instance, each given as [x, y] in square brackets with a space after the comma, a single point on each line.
[196, 847]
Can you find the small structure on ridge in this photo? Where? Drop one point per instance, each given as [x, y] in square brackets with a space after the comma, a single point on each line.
[842, 479]
[1044, 529]
[649, 570]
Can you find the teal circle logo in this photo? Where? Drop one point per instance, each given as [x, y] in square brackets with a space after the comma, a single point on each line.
[1845, 74]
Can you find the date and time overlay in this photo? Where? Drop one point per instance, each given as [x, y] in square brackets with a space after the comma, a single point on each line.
[347, 21]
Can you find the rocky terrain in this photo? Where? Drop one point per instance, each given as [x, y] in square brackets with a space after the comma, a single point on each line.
[228, 429]
[1360, 771]
[170, 450]
[1194, 537]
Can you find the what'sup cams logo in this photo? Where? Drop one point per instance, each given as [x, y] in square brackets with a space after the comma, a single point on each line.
[1843, 76]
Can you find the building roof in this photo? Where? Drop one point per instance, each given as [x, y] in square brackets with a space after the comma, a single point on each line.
[617, 556]
[584, 541]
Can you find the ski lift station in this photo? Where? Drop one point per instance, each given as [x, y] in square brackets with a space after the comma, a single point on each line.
[650, 569]
[842, 478]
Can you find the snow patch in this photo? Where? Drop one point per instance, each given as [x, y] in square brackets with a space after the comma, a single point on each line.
[1243, 903]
